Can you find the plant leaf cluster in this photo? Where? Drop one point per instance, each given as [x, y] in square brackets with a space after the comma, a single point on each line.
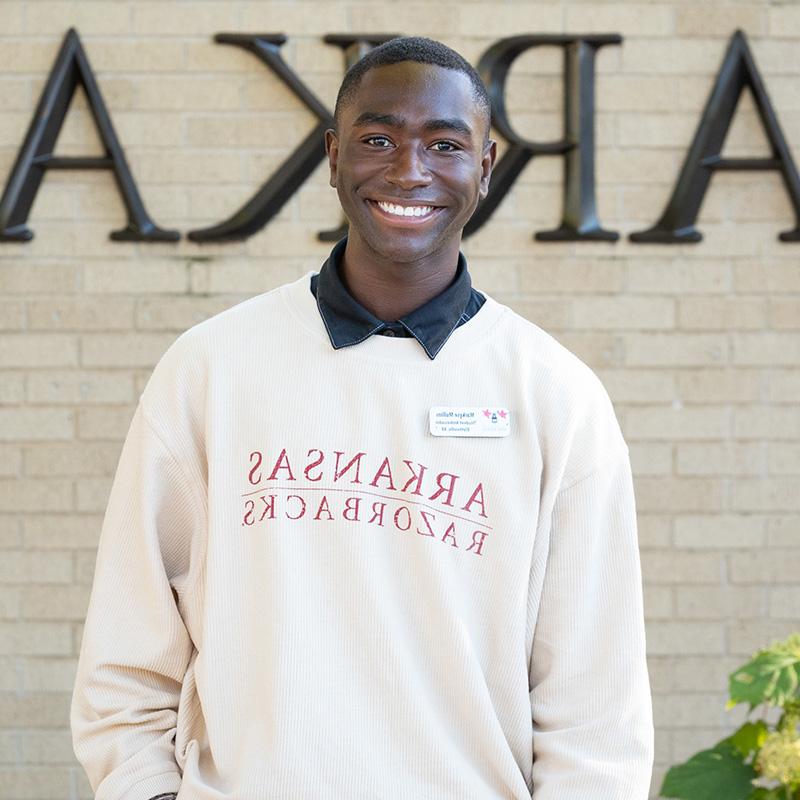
[730, 769]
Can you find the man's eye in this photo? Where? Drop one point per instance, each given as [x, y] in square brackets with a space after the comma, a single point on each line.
[445, 147]
[378, 141]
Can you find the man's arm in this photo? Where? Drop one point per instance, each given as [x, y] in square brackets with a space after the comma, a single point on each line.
[135, 648]
[590, 690]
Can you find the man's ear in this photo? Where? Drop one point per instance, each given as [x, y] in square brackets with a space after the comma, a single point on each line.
[332, 150]
[487, 162]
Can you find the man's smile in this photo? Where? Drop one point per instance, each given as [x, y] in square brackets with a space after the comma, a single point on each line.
[404, 212]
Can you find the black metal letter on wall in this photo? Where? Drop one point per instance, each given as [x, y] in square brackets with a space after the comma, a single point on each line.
[737, 71]
[270, 198]
[70, 68]
[579, 218]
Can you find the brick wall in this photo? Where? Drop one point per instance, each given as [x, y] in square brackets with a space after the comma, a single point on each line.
[698, 345]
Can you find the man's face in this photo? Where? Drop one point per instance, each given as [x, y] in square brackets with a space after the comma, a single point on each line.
[410, 160]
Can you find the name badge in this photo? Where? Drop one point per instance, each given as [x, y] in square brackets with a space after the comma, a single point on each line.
[470, 421]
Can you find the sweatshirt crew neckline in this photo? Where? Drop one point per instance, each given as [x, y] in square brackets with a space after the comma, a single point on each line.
[302, 303]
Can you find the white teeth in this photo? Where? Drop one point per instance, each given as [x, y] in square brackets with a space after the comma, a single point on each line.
[405, 211]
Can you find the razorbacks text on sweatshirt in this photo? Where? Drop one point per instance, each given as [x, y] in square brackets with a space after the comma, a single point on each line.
[300, 593]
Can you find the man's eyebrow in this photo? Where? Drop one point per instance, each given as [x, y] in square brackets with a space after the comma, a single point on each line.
[451, 124]
[372, 118]
[393, 121]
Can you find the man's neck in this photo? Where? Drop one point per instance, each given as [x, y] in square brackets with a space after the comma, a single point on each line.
[390, 290]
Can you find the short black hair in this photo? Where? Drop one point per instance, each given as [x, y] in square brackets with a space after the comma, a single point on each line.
[411, 48]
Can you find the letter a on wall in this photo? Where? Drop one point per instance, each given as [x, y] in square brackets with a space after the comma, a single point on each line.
[738, 70]
[71, 68]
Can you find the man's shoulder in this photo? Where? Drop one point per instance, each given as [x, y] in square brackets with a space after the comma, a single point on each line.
[544, 355]
[568, 400]
[205, 345]
[261, 308]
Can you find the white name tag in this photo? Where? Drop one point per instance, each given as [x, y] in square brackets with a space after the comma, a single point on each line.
[470, 421]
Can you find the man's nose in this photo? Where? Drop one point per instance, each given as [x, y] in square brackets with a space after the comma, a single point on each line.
[408, 168]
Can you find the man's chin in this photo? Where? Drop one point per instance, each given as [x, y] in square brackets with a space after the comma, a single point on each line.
[404, 253]
[404, 246]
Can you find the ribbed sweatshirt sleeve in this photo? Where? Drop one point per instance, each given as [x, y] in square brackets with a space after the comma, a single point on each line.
[590, 692]
[135, 647]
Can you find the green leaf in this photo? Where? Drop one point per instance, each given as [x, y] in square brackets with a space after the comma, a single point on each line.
[750, 737]
[711, 775]
[785, 685]
[770, 677]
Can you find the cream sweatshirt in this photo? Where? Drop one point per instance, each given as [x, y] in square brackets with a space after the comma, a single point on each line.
[301, 593]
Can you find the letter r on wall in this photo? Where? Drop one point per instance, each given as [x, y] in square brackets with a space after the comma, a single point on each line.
[579, 218]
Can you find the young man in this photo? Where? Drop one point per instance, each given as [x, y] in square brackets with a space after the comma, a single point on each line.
[372, 535]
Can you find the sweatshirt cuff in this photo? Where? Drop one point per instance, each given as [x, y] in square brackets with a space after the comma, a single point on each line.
[161, 785]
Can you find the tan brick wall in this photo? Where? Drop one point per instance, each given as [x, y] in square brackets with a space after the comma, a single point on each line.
[699, 345]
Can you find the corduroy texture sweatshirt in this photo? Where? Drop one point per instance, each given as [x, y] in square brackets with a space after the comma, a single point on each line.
[300, 593]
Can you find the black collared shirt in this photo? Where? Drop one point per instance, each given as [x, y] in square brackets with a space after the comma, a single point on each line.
[348, 322]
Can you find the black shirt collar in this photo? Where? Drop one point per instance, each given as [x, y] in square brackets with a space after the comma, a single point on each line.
[349, 323]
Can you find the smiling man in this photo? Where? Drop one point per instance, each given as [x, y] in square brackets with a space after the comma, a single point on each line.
[410, 158]
[398, 559]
